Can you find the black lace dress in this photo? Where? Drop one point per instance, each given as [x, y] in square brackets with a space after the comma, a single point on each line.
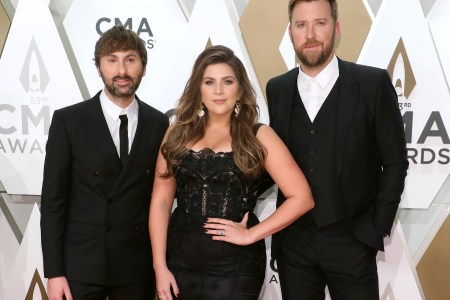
[210, 185]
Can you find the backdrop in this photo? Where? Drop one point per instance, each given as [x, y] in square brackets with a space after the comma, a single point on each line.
[46, 51]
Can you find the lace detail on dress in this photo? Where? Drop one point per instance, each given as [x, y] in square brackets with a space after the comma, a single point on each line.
[209, 184]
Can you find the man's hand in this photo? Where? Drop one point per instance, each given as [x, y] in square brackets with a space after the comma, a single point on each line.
[57, 288]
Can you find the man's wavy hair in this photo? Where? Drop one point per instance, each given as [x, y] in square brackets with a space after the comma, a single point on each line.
[248, 153]
[118, 38]
[333, 6]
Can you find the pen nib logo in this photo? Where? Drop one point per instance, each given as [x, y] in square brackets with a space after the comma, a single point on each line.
[401, 72]
[36, 282]
[34, 76]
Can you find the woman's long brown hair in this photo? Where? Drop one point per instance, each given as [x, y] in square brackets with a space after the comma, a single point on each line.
[188, 128]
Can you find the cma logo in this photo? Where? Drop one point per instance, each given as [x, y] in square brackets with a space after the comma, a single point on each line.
[402, 75]
[142, 29]
[273, 267]
[34, 76]
[404, 82]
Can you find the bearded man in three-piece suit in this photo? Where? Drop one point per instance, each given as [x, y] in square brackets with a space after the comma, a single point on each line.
[342, 124]
[98, 178]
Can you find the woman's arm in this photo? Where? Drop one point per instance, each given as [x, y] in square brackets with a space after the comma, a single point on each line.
[160, 209]
[283, 169]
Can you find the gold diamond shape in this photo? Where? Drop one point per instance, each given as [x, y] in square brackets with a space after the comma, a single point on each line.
[263, 25]
[355, 26]
[5, 24]
[264, 22]
[433, 268]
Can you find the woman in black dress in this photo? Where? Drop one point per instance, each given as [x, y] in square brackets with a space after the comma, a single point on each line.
[211, 161]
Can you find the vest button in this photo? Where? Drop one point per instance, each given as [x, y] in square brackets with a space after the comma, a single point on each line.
[312, 150]
[313, 131]
[313, 170]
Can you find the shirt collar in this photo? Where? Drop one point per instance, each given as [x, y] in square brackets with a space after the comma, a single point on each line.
[113, 110]
[323, 78]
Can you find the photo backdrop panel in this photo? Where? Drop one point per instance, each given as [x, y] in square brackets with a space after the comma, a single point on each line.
[9, 248]
[161, 24]
[26, 279]
[440, 29]
[408, 51]
[5, 22]
[36, 79]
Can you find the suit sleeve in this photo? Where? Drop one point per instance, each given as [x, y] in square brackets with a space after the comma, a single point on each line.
[267, 181]
[55, 197]
[391, 146]
[270, 100]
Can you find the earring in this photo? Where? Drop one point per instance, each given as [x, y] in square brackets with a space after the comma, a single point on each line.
[201, 111]
[237, 109]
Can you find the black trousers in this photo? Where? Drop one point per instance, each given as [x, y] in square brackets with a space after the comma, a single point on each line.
[135, 291]
[311, 258]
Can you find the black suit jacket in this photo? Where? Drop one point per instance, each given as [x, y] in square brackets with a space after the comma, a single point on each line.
[94, 213]
[371, 154]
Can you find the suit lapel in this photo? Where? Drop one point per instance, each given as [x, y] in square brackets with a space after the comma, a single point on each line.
[99, 130]
[143, 126]
[287, 96]
[348, 96]
[140, 144]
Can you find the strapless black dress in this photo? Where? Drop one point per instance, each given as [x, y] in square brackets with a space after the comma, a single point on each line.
[210, 185]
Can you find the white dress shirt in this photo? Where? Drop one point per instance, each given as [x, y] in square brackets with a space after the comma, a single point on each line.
[112, 113]
[314, 90]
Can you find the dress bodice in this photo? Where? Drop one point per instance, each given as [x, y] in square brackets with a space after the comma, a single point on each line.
[209, 184]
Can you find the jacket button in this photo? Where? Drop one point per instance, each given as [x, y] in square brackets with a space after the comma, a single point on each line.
[147, 172]
[136, 228]
[95, 173]
[312, 150]
[313, 131]
[313, 170]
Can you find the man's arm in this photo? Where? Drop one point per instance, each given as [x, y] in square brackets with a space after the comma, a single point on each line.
[391, 146]
[55, 197]
[267, 181]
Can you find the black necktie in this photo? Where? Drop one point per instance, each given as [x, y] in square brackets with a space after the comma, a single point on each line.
[123, 134]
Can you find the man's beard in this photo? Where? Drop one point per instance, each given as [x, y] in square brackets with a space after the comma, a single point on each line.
[116, 92]
[313, 60]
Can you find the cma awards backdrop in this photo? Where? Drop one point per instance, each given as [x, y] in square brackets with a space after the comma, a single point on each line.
[46, 51]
